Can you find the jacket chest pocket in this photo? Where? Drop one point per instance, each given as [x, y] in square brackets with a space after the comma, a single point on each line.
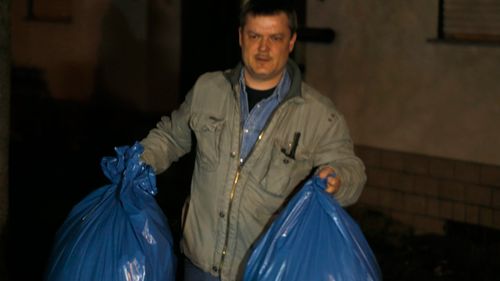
[208, 131]
[284, 172]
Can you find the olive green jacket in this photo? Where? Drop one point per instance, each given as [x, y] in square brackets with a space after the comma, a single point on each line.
[231, 202]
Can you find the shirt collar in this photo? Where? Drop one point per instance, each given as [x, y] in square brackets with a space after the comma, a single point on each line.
[281, 89]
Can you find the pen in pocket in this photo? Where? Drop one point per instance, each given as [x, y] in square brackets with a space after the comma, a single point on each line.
[293, 146]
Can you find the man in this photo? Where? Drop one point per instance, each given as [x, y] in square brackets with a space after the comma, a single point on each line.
[260, 131]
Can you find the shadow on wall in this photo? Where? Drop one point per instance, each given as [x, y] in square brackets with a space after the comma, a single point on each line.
[121, 74]
[134, 71]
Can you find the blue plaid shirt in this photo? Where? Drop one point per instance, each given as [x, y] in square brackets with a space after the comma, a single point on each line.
[254, 121]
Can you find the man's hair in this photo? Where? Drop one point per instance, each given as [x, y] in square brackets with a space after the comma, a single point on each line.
[267, 8]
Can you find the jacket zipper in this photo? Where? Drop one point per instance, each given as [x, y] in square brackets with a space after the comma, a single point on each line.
[233, 188]
[235, 182]
[231, 196]
[226, 240]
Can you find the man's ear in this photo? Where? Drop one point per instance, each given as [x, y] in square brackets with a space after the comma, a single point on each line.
[291, 45]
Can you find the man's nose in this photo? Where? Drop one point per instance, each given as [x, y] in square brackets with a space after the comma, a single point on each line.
[263, 44]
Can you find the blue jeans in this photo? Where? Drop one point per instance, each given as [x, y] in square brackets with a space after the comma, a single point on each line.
[193, 273]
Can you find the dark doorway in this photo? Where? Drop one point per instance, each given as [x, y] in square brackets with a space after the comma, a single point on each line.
[209, 38]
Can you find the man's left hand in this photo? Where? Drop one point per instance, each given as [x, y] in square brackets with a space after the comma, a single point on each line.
[333, 182]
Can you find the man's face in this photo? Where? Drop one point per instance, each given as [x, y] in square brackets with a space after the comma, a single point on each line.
[266, 42]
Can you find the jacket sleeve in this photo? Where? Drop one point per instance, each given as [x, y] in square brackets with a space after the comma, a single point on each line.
[335, 149]
[170, 140]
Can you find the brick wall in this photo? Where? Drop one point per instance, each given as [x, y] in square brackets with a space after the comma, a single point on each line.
[424, 192]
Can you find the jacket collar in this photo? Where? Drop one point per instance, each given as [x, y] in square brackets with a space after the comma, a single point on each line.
[233, 76]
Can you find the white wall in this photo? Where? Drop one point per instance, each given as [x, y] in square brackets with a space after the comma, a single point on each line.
[397, 90]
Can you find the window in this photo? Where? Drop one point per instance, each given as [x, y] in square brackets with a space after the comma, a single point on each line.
[469, 20]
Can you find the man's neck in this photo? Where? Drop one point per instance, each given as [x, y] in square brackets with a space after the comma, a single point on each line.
[255, 96]
[261, 85]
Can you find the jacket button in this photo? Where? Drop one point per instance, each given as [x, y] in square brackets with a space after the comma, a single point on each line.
[221, 214]
[214, 268]
[233, 154]
[286, 161]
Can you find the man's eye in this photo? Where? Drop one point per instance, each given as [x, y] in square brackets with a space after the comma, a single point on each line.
[253, 36]
[277, 38]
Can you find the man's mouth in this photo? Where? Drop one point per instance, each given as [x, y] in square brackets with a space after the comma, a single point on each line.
[262, 58]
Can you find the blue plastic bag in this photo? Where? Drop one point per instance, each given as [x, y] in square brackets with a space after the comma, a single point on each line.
[118, 232]
[312, 239]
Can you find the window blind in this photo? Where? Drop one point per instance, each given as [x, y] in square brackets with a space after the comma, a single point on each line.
[475, 20]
